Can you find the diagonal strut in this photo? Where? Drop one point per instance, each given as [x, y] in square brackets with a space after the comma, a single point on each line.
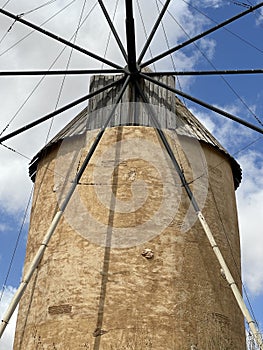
[58, 111]
[204, 104]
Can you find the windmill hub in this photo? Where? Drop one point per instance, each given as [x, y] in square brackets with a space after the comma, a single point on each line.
[133, 72]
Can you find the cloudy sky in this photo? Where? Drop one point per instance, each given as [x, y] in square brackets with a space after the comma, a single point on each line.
[24, 99]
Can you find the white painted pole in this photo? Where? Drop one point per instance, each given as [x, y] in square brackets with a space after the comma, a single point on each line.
[28, 275]
[231, 282]
[22, 287]
[229, 278]
[20, 291]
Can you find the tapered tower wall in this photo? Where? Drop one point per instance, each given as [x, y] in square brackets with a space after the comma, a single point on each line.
[95, 288]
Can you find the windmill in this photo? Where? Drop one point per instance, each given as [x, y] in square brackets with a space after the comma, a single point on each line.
[133, 111]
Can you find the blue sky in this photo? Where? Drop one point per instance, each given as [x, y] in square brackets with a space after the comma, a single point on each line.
[238, 48]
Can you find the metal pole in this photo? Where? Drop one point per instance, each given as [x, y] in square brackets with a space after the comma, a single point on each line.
[205, 72]
[20, 291]
[130, 35]
[204, 104]
[62, 72]
[205, 226]
[58, 111]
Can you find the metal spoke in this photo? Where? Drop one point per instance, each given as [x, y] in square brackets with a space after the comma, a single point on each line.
[59, 39]
[208, 72]
[130, 35]
[119, 71]
[204, 104]
[58, 111]
[148, 42]
[114, 32]
[199, 36]
[62, 72]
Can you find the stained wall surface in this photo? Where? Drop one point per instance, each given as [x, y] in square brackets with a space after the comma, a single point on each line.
[95, 288]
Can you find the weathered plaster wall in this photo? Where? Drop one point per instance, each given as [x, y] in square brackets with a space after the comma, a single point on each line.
[86, 295]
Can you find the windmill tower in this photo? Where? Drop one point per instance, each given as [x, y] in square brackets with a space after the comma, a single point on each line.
[128, 266]
[129, 258]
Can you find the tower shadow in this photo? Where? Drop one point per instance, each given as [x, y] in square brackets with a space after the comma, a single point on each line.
[98, 332]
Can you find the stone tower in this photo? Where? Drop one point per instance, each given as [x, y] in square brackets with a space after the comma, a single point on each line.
[129, 267]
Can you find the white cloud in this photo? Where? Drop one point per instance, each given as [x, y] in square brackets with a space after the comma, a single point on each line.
[210, 3]
[207, 46]
[259, 14]
[250, 199]
[229, 133]
[6, 342]
[4, 227]
[14, 182]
